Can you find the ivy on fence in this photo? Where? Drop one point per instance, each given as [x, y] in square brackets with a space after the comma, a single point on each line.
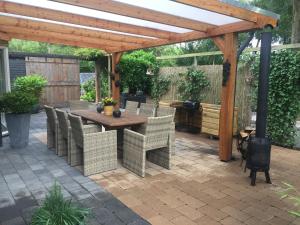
[284, 96]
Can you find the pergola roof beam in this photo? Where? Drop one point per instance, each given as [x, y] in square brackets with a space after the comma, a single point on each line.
[102, 44]
[65, 17]
[54, 27]
[139, 13]
[59, 41]
[232, 10]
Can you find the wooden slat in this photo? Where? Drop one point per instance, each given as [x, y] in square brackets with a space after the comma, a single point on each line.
[231, 10]
[68, 37]
[38, 25]
[227, 102]
[4, 36]
[58, 41]
[196, 35]
[219, 42]
[139, 13]
[56, 15]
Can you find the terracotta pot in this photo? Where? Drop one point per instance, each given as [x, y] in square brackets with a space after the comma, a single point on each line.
[108, 110]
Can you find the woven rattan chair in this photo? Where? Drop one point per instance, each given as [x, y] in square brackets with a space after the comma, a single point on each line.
[131, 107]
[52, 126]
[96, 151]
[146, 109]
[78, 105]
[64, 136]
[166, 111]
[156, 142]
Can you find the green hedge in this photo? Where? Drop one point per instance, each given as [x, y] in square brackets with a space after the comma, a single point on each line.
[133, 71]
[284, 96]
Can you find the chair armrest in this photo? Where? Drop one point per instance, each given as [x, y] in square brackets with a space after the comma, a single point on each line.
[134, 138]
[87, 129]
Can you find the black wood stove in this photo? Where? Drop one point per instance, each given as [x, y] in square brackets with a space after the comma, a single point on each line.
[259, 148]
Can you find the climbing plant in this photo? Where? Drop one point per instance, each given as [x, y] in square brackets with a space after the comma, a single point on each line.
[192, 84]
[284, 96]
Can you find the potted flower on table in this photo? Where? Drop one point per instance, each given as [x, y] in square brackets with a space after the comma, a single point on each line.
[109, 104]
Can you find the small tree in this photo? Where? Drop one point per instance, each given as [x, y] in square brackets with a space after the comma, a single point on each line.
[160, 87]
[192, 84]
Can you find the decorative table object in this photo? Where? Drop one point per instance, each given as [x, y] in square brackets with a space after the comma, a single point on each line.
[109, 104]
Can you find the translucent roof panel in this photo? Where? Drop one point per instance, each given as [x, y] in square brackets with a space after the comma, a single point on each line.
[72, 25]
[99, 14]
[178, 9]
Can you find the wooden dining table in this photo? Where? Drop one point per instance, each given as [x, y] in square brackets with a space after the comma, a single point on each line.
[110, 122]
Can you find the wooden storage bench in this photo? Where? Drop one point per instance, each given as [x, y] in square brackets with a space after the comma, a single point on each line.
[210, 119]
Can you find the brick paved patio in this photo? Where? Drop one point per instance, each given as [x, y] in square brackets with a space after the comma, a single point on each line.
[198, 190]
[202, 190]
[27, 174]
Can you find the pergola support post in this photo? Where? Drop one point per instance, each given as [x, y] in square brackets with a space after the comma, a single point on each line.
[228, 96]
[115, 79]
[98, 80]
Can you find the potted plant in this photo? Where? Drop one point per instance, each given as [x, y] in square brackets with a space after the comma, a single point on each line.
[33, 84]
[17, 106]
[109, 104]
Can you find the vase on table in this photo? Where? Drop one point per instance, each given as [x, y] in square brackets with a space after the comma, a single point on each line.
[108, 110]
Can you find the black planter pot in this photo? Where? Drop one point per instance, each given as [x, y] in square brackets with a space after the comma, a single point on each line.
[18, 127]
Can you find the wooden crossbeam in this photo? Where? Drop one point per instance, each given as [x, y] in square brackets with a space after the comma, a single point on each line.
[69, 37]
[59, 41]
[53, 27]
[139, 13]
[60, 16]
[211, 33]
[4, 36]
[231, 10]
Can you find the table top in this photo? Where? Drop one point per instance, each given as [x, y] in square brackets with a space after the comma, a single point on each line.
[126, 119]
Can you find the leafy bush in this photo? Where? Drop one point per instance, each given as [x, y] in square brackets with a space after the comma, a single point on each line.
[55, 210]
[192, 84]
[284, 95]
[133, 71]
[89, 88]
[33, 84]
[290, 192]
[89, 91]
[160, 87]
[17, 102]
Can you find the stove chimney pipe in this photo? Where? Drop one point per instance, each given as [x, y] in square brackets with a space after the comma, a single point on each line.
[263, 85]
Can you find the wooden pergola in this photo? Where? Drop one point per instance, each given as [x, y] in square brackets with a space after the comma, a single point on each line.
[126, 25]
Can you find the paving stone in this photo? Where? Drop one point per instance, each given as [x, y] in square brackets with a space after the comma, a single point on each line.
[14, 221]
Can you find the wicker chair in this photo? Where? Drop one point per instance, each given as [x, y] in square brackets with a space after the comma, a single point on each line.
[146, 109]
[96, 151]
[64, 136]
[155, 141]
[78, 105]
[165, 111]
[52, 127]
[131, 107]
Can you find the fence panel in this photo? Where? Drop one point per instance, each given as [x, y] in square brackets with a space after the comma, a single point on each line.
[63, 79]
[212, 94]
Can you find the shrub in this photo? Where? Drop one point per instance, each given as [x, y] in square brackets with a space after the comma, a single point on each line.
[133, 71]
[160, 87]
[55, 210]
[284, 95]
[17, 102]
[192, 84]
[89, 88]
[31, 84]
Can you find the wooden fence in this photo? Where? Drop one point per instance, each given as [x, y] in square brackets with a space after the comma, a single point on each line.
[62, 75]
[213, 93]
